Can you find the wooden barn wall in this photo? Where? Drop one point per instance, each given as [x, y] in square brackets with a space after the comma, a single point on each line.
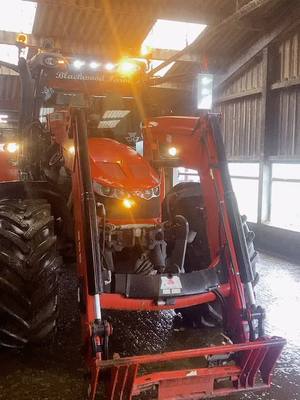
[285, 90]
[251, 130]
[240, 105]
[9, 92]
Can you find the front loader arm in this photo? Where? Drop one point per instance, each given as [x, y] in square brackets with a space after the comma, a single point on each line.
[199, 146]
[94, 329]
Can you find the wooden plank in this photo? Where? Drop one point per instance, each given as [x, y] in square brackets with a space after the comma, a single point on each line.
[285, 84]
[68, 46]
[164, 54]
[239, 95]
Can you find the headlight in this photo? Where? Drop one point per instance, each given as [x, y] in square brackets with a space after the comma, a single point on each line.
[168, 151]
[156, 191]
[128, 203]
[108, 191]
[148, 194]
[71, 150]
[12, 147]
[121, 194]
[172, 151]
[105, 191]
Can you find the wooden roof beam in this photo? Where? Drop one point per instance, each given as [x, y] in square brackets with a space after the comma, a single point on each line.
[68, 47]
[10, 39]
[210, 33]
[253, 51]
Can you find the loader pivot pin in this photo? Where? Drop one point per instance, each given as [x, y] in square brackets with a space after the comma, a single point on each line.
[101, 331]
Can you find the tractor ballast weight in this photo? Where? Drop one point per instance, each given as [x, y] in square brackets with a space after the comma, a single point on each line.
[106, 174]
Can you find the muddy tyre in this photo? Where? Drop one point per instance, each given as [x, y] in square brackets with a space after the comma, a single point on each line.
[186, 199]
[29, 265]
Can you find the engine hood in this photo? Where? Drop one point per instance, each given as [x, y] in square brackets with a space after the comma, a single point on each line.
[117, 165]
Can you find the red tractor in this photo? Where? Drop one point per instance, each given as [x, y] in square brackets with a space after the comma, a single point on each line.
[137, 247]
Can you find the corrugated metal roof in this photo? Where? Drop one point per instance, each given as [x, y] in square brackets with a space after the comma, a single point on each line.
[110, 27]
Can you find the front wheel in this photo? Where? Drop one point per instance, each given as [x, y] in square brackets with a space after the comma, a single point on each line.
[29, 264]
[186, 199]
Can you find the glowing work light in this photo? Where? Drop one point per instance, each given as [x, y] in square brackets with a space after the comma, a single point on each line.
[127, 68]
[71, 150]
[172, 151]
[22, 38]
[12, 147]
[128, 203]
[78, 64]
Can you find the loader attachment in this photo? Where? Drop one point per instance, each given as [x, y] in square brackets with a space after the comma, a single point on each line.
[227, 369]
[186, 374]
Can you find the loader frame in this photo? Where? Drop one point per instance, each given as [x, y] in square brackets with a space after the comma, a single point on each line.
[195, 383]
[251, 350]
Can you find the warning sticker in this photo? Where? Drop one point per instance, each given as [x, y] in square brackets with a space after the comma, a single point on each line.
[170, 285]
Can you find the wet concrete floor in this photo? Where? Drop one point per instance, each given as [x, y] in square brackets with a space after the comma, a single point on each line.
[55, 371]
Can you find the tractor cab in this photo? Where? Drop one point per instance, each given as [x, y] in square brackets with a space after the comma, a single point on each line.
[128, 189]
[108, 116]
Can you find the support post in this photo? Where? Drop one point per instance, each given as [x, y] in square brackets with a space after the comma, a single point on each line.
[265, 167]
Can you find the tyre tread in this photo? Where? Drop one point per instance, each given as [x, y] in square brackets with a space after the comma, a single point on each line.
[28, 272]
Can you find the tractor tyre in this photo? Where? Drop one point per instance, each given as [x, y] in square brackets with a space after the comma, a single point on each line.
[186, 199]
[253, 256]
[29, 264]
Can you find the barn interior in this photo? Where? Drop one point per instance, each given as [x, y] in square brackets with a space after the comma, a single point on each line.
[239, 59]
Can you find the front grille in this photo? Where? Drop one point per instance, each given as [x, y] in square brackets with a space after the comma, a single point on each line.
[143, 209]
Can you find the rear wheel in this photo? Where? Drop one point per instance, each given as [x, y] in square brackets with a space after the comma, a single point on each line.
[28, 272]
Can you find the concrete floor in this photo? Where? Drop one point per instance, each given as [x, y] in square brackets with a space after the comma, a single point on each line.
[54, 372]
